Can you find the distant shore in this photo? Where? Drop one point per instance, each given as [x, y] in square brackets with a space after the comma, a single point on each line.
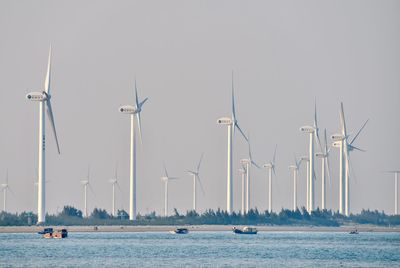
[198, 228]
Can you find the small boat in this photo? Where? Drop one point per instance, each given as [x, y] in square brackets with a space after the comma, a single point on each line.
[46, 231]
[63, 233]
[354, 232]
[180, 231]
[245, 230]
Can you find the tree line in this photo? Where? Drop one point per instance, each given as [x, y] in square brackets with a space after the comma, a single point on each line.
[300, 217]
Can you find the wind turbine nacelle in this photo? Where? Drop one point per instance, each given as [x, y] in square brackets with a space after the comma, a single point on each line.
[36, 96]
[337, 137]
[336, 144]
[293, 167]
[225, 121]
[245, 161]
[127, 109]
[321, 155]
[307, 129]
[269, 165]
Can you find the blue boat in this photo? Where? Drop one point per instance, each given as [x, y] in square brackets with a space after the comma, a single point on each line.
[245, 230]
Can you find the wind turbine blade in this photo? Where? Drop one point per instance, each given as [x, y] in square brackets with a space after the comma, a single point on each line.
[316, 125]
[233, 102]
[136, 96]
[326, 143]
[201, 185]
[328, 170]
[53, 126]
[47, 80]
[356, 148]
[241, 131]
[273, 158]
[139, 126]
[91, 189]
[255, 164]
[273, 169]
[174, 178]
[198, 166]
[141, 104]
[165, 170]
[358, 133]
[342, 120]
[249, 147]
[116, 171]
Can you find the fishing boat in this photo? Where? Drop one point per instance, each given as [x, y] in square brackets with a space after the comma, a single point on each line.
[245, 230]
[46, 231]
[61, 233]
[179, 231]
[354, 232]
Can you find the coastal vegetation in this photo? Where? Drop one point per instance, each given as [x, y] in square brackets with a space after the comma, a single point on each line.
[72, 216]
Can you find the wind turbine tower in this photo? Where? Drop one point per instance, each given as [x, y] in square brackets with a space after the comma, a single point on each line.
[86, 184]
[243, 172]
[5, 187]
[307, 161]
[196, 177]
[133, 111]
[43, 97]
[114, 182]
[232, 124]
[313, 133]
[396, 195]
[270, 167]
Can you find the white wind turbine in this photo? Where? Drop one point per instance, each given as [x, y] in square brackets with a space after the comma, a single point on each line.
[307, 161]
[166, 179]
[86, 184]
[243, 172]
[396, 187]
[247, 163]
[132, 111]
[196, 177]
[295, 168]
[270, 167]
[43, 97]
[324, 155]
[114, 182]
[341, 141]
[5, 187]
[313, 133]
[232, 124]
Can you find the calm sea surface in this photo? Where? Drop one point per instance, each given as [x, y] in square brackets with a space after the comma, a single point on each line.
[202, 249]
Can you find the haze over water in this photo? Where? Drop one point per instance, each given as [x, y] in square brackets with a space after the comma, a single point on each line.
[202, 249]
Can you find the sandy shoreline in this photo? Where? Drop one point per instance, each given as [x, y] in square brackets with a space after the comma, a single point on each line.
[197, 228]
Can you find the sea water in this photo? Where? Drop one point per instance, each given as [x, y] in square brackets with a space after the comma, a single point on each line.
[202, 249]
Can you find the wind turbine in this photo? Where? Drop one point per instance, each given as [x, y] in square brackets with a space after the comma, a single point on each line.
[396, 195]
[270, 167]
[132, 111]
[341, 141]
[324, 155]
[307, 161]
[313, 133]
[196, 177]
[248, 163]
[232, 124]
[165, 179]
[43, 98]
[114, 182]
[5, 187]
[243, 172]
[86, 184]
[295, 169]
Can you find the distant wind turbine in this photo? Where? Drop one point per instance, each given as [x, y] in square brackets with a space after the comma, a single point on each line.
[132, 111]
[341, 141]
[295, 168]
[313, 133]
[248, 163]
[196, 177]
[243, 172]
[5, 187]
[324, 155]
[114, 182]
[307, 161]
[86, 184]
[270, 167]
[232, 124]
[396, 189]
[43, 98]
[166, 179]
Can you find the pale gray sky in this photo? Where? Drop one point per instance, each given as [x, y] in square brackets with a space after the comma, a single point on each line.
[283, 53]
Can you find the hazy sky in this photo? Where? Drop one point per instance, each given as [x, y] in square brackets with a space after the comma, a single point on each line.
[284, 54]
